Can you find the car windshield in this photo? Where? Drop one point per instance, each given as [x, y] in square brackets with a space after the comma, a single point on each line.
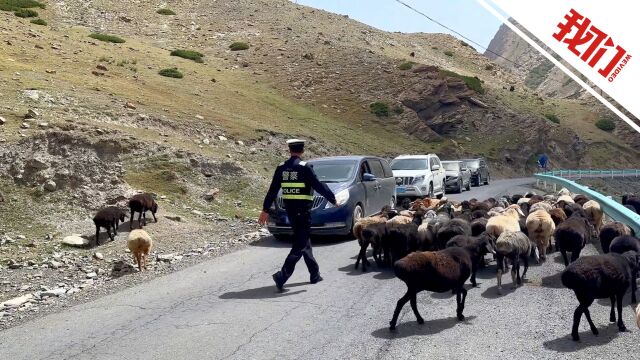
[334, 171]
[409, 164]
[451, 166]
[472, 163]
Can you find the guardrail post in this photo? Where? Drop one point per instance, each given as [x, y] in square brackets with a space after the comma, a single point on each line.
[612, 174]
[555, 189]
[636, 172]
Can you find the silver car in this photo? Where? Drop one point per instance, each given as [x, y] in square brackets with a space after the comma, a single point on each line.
[457, 176]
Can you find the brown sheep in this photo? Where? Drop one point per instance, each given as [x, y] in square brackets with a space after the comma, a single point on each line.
[509, 220]
[594, 214]
[558, 215]
[140, 244]
[540, 227]
[142, 203]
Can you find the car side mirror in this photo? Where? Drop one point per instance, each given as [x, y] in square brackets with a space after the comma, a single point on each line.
[368, 177]
[435, 168]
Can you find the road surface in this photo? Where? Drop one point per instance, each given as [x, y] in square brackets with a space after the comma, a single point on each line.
[227, 308]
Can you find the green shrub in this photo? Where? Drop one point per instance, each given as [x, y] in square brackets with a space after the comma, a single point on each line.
[106, 38]
[39, 22]
[406, 65]
[13, 5]
[397, 109]
[488, 67]
[606, 124]
[448, 53]
[172, 73]
[236, 46]
[553, 118]
[379, 109]
[472, 82]
[25, 13]
[165, 12]
[188, 54]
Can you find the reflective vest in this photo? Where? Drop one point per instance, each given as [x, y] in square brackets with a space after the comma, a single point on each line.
[293, 183]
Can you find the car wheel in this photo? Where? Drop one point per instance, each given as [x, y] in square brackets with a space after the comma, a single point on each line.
[469, 185]
[393, 203]
[459, 186]
[486, 181]
[358, 213]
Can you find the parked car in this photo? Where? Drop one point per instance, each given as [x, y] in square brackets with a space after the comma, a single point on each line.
[479, 171]
[418, 176]
[457, 176]
[363, 184]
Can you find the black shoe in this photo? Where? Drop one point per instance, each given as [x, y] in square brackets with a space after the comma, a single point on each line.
[279, 284]
[316, 279]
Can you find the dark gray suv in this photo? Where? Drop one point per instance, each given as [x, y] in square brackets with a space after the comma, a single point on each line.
[479, 171]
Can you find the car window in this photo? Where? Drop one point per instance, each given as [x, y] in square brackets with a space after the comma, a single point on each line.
[364, 168]
[376, 168]
[432, 161]
[388, 172]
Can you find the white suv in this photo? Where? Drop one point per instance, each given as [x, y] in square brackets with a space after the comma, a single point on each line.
[418, 176]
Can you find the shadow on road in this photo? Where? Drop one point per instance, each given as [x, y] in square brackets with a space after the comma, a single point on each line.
[492, 292]
[553, 281]
[265, 292]
[412, 328]
[587, 339]
[272, 242]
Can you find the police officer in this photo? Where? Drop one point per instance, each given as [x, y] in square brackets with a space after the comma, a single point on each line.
[297, 181]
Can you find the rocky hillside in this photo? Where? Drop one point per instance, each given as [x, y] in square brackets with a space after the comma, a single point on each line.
[87, 119]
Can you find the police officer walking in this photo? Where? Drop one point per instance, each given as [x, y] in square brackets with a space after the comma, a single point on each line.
[297, 181]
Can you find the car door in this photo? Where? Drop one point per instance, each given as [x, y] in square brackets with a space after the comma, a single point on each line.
[438, 175]
[383, 196]
[483, 170]
[370, 190]
[389, 183]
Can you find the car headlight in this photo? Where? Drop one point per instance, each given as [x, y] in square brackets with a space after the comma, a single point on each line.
[418, 179]
[341, 198]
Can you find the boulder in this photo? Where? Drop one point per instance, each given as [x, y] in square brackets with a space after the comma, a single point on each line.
[2, 120]
[54, 292]
[75, 240]
[32, 114]
[211, 194]
[101, 67]
[16, 302]
[50, 186]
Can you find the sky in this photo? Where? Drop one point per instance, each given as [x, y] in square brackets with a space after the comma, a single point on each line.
[465, 16]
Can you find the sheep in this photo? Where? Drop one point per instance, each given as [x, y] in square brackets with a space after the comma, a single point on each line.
[569, 209]
[535, 199]
[632, 200]
[142, 203]
[514, 245]
[601, 277]
[108, 218]
[451, 229]
[523, 200]
[572, 235]
[622, 244]
[540, 228]
[516, 198]
[540, 205]
[631, 207]
[140, 244]
[401, 239]
[478, 226]
[610, 232]
[478, 248]
[437, 271]
[479, 214]
[522, 222]
[564, 191]
[594, 214]
[580, 199]
[564, 200]
[507, 221]
[495, 211]
[374, 236]
[558, 216]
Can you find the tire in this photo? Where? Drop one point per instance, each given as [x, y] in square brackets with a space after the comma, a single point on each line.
[393, 203]
[486, 181]
[358, 213]
[468, 185]
[459, 189]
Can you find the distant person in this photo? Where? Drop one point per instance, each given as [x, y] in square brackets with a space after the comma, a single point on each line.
[297, 180]
[543, 162]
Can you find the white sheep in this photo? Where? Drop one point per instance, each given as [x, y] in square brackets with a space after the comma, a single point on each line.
[540, 205]
[540, 227]
[140, 244]
[565, 192]
[507, 221]
[515, 246]
[566, 198]
[594, 214]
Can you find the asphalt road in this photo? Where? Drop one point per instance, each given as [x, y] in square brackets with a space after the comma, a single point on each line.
[227, 308]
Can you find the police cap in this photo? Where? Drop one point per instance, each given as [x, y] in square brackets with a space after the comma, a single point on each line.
[296, 144]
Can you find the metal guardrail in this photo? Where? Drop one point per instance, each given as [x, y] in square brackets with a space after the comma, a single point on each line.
[611, 208]
[578, 174]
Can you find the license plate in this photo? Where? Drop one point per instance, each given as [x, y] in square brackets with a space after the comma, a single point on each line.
[401, 189]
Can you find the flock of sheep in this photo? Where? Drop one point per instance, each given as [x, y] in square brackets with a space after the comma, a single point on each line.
[139, 241]
[437, 245]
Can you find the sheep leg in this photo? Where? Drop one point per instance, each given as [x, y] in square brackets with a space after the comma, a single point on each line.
[515, 271]
[403, 300]
[564, 256]
[140, 219]
[612, 314]
[543, 253]
[634, 286]
[500, 265]
[474, 269]
[97, 235]
[363, 256]
[461, 296]
[414, 306]
[575, 255]
[153, 213]
[576, 323]
[109, 232]
[377, 255]
[139, 259]
[131, 220]
[525, 259]
[621, 326]
[144, 216]
[594, 330]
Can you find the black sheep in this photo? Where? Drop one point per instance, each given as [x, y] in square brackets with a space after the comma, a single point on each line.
[572, 235]
[523, 225]
[631, 207]
[632, 200]
[108, 218]
[569, 209]
[599, 277]
[580, 199]
[478, 226]
[479, 214]
[142, 203]
[622, 244]
[451, 229]
[515, 198]
[610, 232]
[400, 241]
[478, 247]
[437, 271]
[372, 234]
